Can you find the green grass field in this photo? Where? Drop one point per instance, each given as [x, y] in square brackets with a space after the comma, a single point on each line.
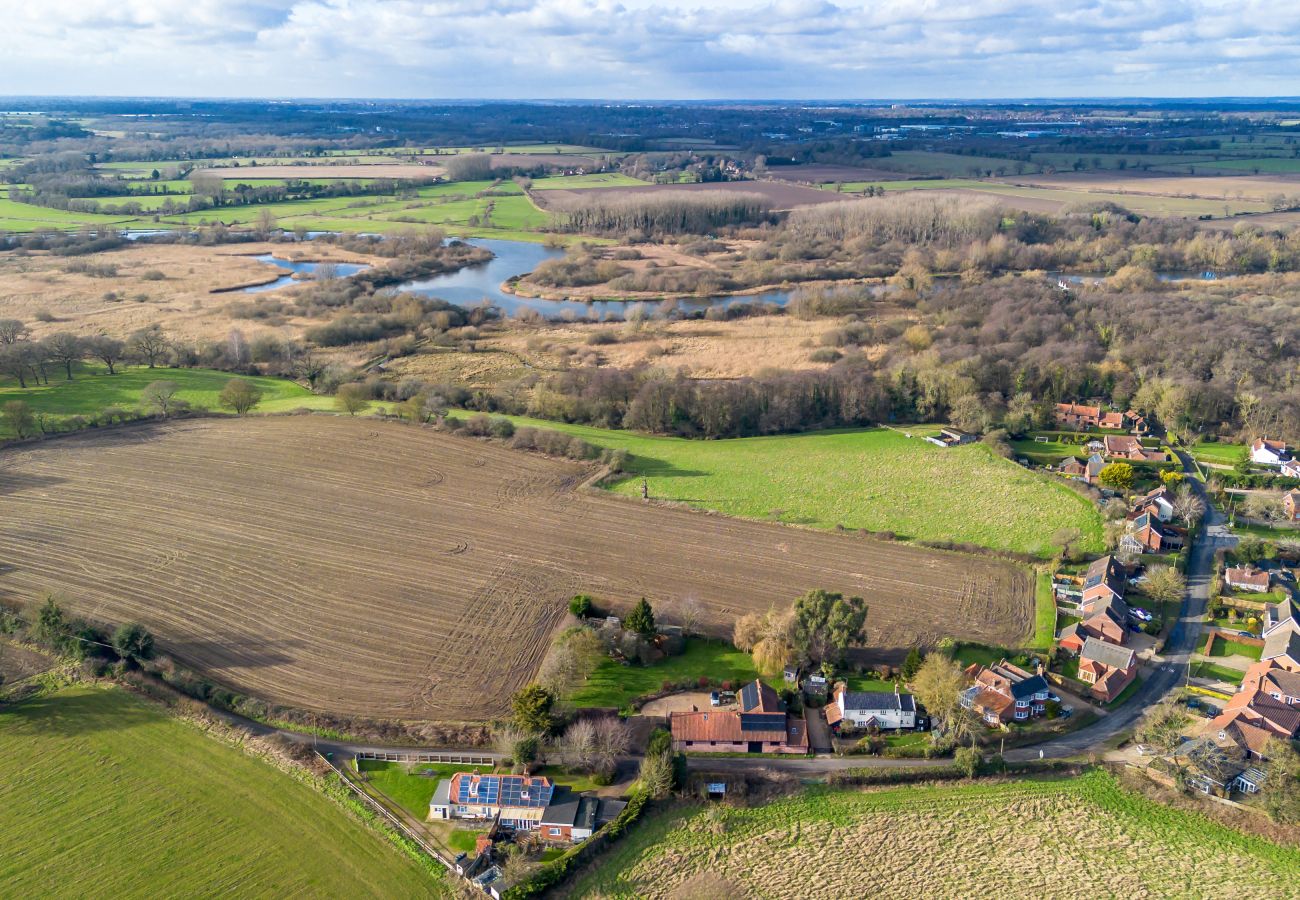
[1078, 837]
[1222, 646]
[92, 390]
[1219, 454]
[596, 179]
[866, 478]
[411, 785]
[614, 684]
[949, 165]
[102, 793]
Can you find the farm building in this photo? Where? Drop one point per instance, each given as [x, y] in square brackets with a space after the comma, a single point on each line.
[760, 725]
[949, 437]
[1246, 578]
[1108, 667]
[1004, 693]
[867, 709]
[1269, 453]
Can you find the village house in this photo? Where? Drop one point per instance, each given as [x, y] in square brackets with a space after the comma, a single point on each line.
[857, 710]
[1082, 416]
[1269, 453]
[760, 725]
[1281, 633]
[522, 803]
[1085, 471]
[1122, 446]
[1291, 469]
[516, 801]
[1251, 719]
[1291, 504]
[1108, 667]
[1159, 503]
[1146, 534]
[1103, 620]
[1005, 693]
[1105, 578]
[1246, 578]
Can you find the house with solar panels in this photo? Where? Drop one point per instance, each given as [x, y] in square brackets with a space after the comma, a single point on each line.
[761, 725]
[517, 801]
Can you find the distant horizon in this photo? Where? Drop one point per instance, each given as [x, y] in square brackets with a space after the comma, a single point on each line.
[634, 50]
[1118, 99]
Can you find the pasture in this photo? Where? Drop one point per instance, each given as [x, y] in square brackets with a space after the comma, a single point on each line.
[101, 789]
[877, 479]
[1085, 836]
[373, 568]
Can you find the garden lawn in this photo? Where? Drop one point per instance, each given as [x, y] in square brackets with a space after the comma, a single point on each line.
[1219, 454]
[1222, 646]
[1217, 673]
[407, 785]
[614, 684]
[952, 840]
[102, 793]
[876, 479]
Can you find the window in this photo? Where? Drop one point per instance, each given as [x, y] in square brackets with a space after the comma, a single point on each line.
[1021, 714]
[553, 832]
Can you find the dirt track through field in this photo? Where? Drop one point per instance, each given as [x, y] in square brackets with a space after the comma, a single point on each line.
[373, 568]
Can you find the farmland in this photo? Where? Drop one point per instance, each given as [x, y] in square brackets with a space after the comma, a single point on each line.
[386, 590]
[101, 789]
[1082, 837]
[877, 479]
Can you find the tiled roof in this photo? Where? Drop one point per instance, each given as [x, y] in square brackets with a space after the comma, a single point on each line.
[1106, 653]
[1243, 575]
[759, 697]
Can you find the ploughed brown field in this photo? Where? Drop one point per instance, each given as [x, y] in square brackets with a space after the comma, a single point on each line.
[782, 194]
[380, 569]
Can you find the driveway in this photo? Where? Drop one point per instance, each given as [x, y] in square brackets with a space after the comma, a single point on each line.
[819, 733]
[689, 701]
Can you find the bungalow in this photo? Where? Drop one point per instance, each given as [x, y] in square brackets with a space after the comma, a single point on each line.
[1120, 446]
[572, 818]
[1269, 453]
[1107, 667]
[1104, 620]
[1291, 504]
[1146, 534]
[1104, 579]
[1159, 502]
[1246, 578]
[517, 801]
[1003, 693]
[760, 725]
[871, 709]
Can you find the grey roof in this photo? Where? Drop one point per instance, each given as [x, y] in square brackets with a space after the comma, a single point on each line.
[1287, 681]
[1069, 630]
[563, 808]
[587, 809]
[1107, 654]
[759, 697]
[1283, 642]
[1034, 684]
[1253, 776]
[879, 700]
[609, 810]
[442, 793]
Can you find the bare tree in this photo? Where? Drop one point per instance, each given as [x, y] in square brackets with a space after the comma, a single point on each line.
[65, 348]
[107, 350]
[149, 344]
[577, 746]
[612, 738]
[161, 395]
[12, 331]
[1188, 506]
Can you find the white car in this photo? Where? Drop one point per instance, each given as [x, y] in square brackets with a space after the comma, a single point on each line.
[1141, 614]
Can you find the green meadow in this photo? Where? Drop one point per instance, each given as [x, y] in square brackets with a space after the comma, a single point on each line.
[102, 793]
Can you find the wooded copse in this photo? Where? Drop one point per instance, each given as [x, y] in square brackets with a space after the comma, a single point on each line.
[662, 212]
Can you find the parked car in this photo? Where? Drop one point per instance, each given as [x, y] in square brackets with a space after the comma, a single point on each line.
[1144, 750]
[1053, 697]
[1246, 634]
[1140, 614]
[1067, 711]
[715, 699]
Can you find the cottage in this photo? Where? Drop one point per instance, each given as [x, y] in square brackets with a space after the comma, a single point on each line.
[760, 725]
[868, 709]
[1291, 504]
[1004, 693]
[1104, 620]
[1246, 578]
[1146, 534]
[1108, 667]
[1269, 453]
[1121, 446]
[1076, 415]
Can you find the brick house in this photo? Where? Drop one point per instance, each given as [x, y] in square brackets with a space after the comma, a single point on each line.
[1108, 667]
[516, 801]
[1104, 620]
[1291, 504]
[1281, 633]
[1122, 446]
[1105, 578]
[572, 818]
[1077, 415]
[1159, 503]
[1005, 693]
[761, 724]
[1147, 534]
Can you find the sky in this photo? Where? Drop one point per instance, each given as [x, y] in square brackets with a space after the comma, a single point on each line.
[680, 49]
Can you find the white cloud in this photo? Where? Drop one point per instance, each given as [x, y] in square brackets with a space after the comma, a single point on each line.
[641, 48]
